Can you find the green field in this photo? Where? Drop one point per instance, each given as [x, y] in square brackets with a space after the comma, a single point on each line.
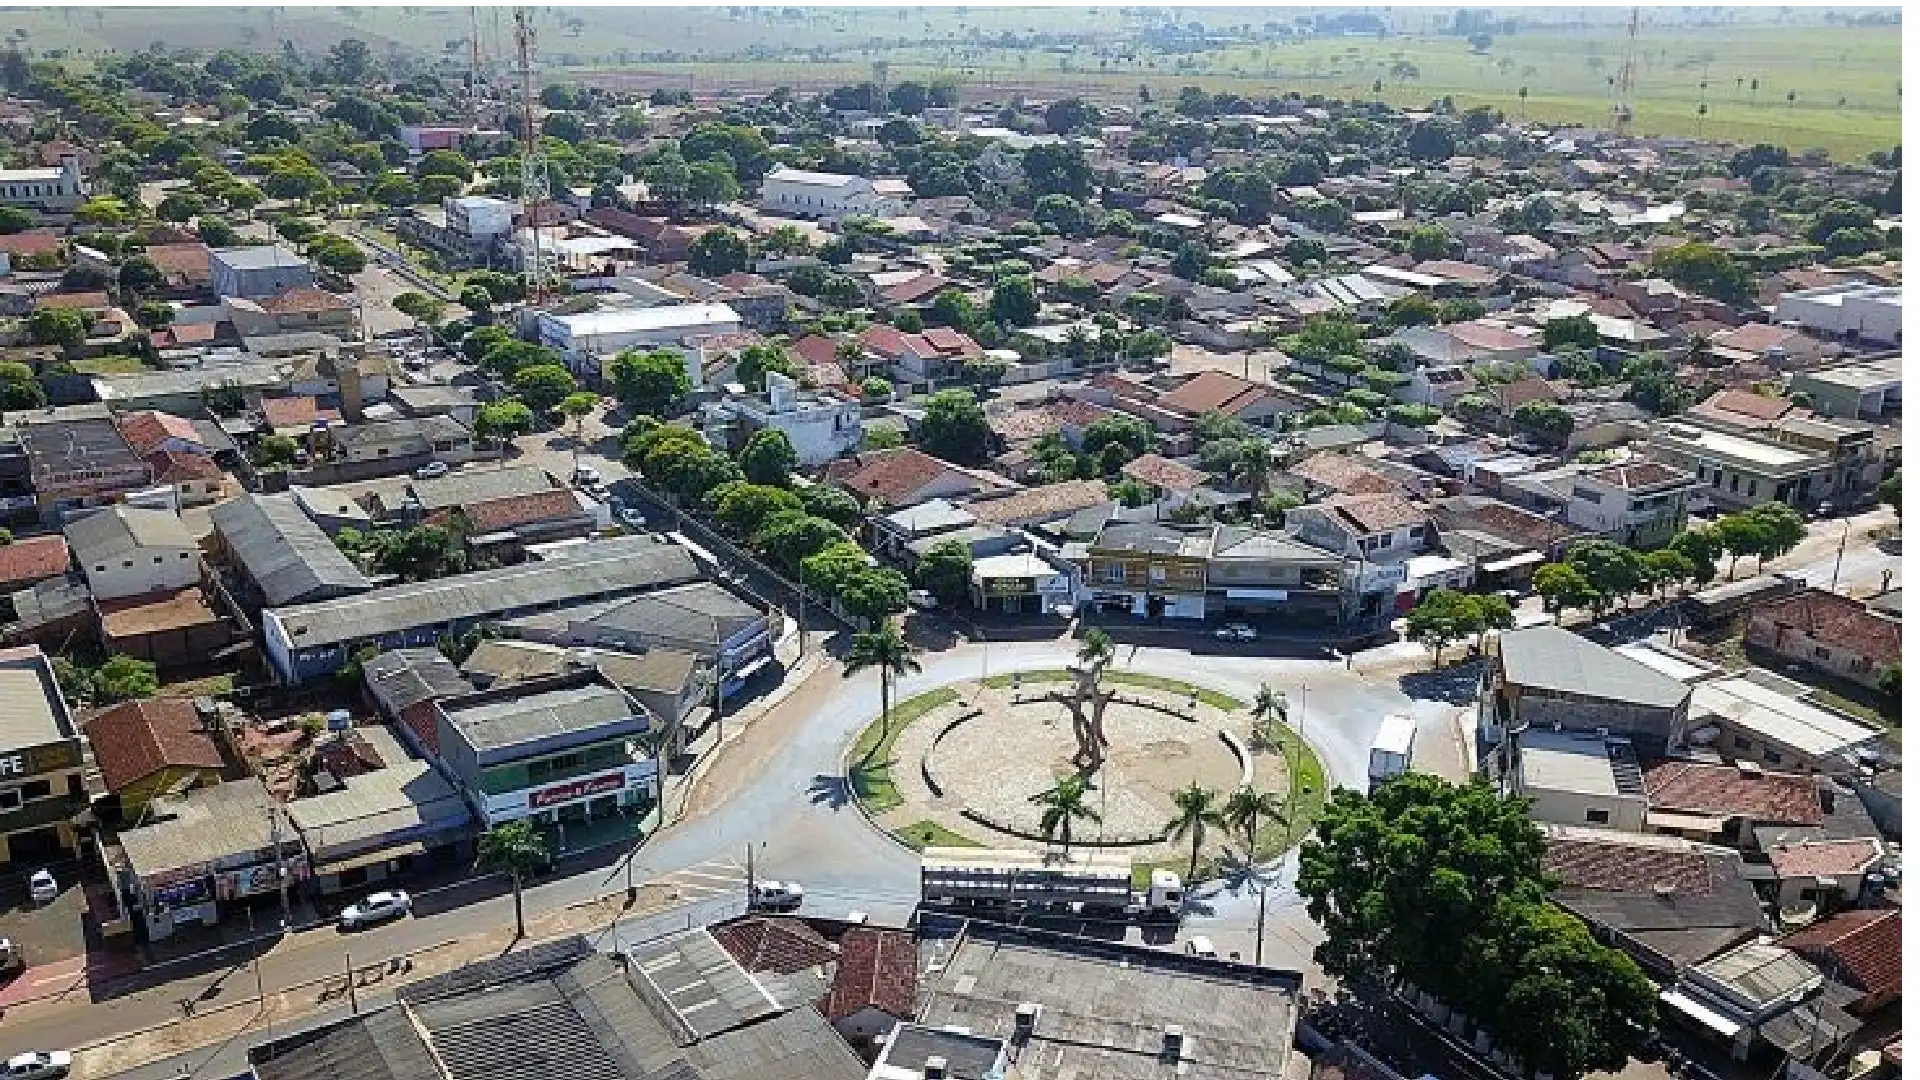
[1099, 52]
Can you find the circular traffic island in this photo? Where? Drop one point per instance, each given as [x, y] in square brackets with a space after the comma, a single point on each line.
[1041, 759]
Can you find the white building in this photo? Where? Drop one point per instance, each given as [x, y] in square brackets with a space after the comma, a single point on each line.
[1578, 778]
[126, 551]
[821, 427]
[1866, 312]
[588, 337]
[797, 193]
[49, 191]
[478, 216]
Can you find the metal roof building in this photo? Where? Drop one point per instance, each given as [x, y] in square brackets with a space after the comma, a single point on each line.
[286, 556]
[310, 640]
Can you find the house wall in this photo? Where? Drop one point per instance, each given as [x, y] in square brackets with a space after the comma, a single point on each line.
[143, 571]
[1829, 655]
[135, 796]
[1646, 726]
[1554, 806]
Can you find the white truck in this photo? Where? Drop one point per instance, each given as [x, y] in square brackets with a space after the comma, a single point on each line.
[1092, 883]
[1392, 752]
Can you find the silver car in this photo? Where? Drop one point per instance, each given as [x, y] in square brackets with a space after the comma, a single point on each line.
[377, 908]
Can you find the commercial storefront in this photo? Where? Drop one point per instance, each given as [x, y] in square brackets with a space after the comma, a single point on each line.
[1020, 584]
[41, 787]
[560, 751]
[206, 854]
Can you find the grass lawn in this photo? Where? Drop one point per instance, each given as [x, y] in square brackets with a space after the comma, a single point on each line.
[1214, 698]
[922, 835]
[111, 364]
[873, 781]
[1272, 841]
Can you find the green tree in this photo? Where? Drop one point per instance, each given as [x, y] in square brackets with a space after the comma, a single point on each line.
[788, 539]
[424, 310]
[1442, 618]
[946, 571]
[123, 678]
[954, 426]
[515, 849]
[1781, 529]
[653, 383]
[505, 420]
[677, 460]
[831, 503]
[64, 327]
[1015, 303]
[337, 253]
[1578, 331]
[755, 361]
[1545, 421]
[1443, 886]
[1427, 242]
[1888, 683]
[1612, 569]
[1664, 567]
[1706, 268]
[444, 163]
[1060, 806]
[1269, 717]
[884, 650]
[1493, 613]
[1702, 548]
[19, 390]
[179, 206]
[543, 386]
[14, 220]
[1742, 535]
[1888, 492]
[769, 458]
[1194, 809]
[710, 183]
[742, 509]
[275, 451]
[1247, 809]
[718, 252]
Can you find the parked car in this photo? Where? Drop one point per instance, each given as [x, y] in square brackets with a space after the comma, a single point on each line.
[922, 599]
[42, 886]
[1237, 632]
[377, 908]
[39, 1065]
[632, 518]
[1202, 946]
[432, 470]
[12, 961]
[586, 476]
[777, 896]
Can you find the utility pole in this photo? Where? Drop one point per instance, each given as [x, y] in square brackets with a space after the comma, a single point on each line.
[749, 876]
[353, 990]
[1845, 528]
[279, 865]
[1260, 928]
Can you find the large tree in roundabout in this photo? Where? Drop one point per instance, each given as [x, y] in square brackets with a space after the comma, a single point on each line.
[1441, 885]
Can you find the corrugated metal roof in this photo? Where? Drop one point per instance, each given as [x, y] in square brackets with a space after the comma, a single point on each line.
[1553, 659]
[285, 553]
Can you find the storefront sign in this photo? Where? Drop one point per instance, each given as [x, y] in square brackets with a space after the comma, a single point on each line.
[576, 789]
[186, 894]
[1008, 586]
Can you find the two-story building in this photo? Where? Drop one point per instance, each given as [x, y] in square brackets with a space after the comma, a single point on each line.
[128, 551]
[1147, 568]
[821, 427]
[1735, 472]
[255, 273]
[1640, 504]
[556, 751]
[79, 463]
[57, 190]
[588, 338]
[42, 790]
[1264, 572]
[154, 747]
[699, 618]
[1378, 527]
[1550, 677]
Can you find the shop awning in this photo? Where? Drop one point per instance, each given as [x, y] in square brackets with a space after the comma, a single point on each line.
[1725, 1026]
[371, 858]
[1513, 562]
[1256, 594]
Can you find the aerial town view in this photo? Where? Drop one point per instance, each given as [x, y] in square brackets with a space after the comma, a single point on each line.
[950, 543]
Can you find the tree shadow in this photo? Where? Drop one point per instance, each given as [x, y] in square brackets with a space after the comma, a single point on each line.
[1457, 684]
[831, 790]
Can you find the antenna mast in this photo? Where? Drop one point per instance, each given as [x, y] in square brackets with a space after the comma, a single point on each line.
[533, 163]
[473, 64]
[1623, 82]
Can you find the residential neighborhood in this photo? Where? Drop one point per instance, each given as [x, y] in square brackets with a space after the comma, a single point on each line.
[514, 559]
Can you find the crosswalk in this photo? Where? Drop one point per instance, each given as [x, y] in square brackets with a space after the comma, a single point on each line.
[715, 877]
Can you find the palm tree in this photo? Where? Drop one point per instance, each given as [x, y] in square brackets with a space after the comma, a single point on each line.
[1060, 805]
[1193, 812]
[882, 648]
[516, 850]
[1247, 808]
[1269, 713]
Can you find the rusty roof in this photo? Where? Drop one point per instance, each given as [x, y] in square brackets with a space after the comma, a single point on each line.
[136, 739]
[1760, 797]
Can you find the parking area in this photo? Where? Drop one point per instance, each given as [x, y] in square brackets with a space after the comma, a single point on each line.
[45, 933]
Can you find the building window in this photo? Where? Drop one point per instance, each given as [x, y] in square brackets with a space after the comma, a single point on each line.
[1115, 573]
[36, 789]
[158, 559]
[1741, 742]
[1157, 574]
[1770, 756]
[9, 799]
[1820, 652]
[126, 564]
[1598, 817]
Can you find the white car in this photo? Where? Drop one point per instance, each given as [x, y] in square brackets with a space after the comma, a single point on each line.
[376, 908]
[1237, 632]
[586, 476]
[39, 1065]
[922, 599]
[777, 896]
[1202, 946]
[43, 888]
[432, 470]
